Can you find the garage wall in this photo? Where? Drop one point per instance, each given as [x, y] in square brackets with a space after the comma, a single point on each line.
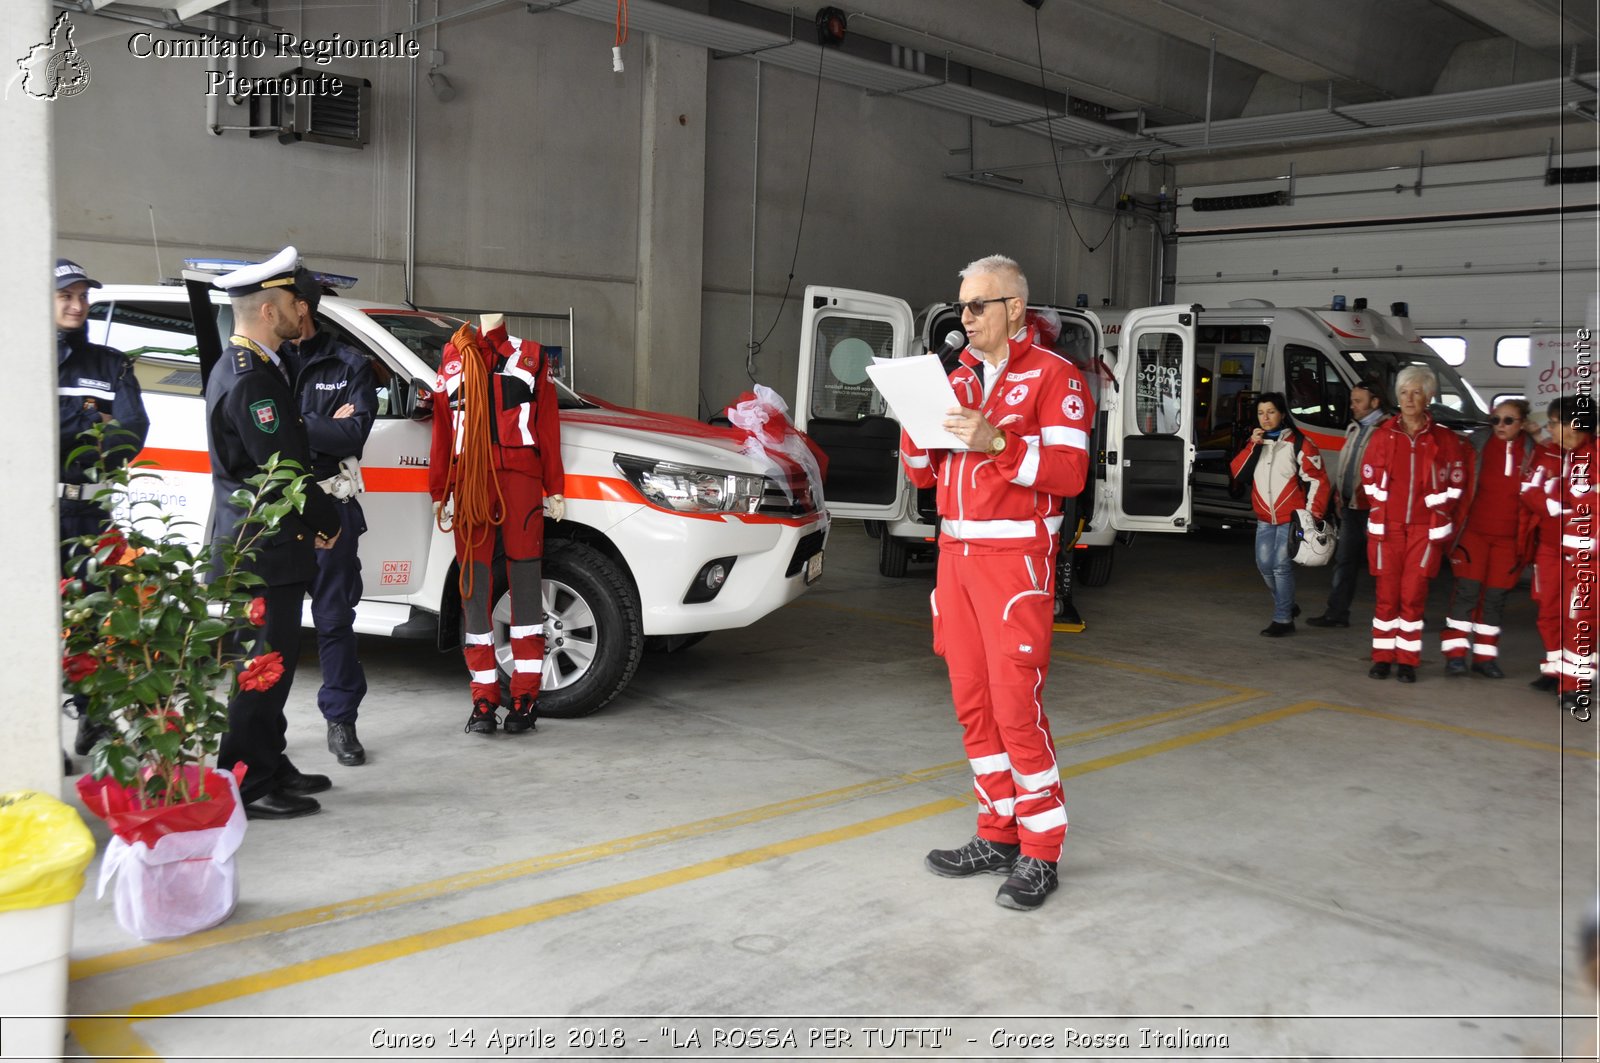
[529, 186]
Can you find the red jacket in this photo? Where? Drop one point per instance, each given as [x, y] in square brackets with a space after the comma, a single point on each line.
[1560, 491]
[1278, 485]
[1418, 482]
[526, 426]
[1006, 503]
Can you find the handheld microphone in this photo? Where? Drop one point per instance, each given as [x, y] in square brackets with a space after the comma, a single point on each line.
[954, 340]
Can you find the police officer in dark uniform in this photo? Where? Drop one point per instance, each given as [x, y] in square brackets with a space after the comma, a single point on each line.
[251, 414]
[338, 402]
[95, 385]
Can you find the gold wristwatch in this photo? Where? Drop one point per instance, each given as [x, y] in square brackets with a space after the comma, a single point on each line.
[998, 443]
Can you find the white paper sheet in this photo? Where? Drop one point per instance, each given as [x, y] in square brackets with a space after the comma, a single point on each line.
[920, 397]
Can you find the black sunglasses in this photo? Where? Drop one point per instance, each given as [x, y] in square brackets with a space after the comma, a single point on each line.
[1505, 420]
[975, 306]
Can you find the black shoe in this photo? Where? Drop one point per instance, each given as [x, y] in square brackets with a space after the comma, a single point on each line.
[522, 715]
[89, 733]
[1380, 670]
[1547, 684]
[1328, 621]
[343, 743]
[297, 783]
[1406, 674]
[1031, 881]
[980, 856]
[1295, 611]
[281, 805]
[482, 720]
[1488, 669]
[1276, 629]
[1455, 667]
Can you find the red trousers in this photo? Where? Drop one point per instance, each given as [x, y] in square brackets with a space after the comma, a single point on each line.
[992, 616]
[1404, 563]
[1485, 569]
[1564, 589]
[521, 535]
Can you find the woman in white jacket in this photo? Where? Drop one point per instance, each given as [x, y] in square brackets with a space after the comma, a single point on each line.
[1285, 473]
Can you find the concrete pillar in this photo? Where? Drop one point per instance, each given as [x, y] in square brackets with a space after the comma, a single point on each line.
[672, 195]
[30, 653]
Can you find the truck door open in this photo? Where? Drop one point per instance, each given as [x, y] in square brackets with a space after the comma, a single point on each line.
[841, 331]
[1152, 443]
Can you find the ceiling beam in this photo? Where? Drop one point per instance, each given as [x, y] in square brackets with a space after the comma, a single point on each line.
[1552, 27]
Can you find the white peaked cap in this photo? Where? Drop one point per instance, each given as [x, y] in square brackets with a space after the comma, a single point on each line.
[276, 272]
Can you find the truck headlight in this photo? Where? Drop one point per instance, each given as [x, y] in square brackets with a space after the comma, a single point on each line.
[688, 489]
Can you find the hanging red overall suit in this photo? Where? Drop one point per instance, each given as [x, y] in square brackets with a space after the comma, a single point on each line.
[495, 457]
[994, 598]
[1490, 554]
[1561, 492]
[1416, 486]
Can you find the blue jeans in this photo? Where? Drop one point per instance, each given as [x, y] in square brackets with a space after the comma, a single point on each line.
[1272, 560]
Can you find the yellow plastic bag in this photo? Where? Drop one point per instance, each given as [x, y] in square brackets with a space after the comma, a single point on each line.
[44, 848]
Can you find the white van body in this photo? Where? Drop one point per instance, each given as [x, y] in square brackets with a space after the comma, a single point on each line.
[1142, 448]
[621, 569]
[1312, 356]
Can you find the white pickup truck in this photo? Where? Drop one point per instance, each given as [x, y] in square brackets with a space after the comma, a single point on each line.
[671, 530]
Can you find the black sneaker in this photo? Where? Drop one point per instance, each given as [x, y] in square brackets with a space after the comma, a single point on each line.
[980, 856]
[1455, 667]
[343, 743]
[522, 715]
[1031, 881]
[1328, 621]
[1277, 629]
[1489, 669]
[1405, 673]
[1379, 670]
[1547, 684]
[482, 720]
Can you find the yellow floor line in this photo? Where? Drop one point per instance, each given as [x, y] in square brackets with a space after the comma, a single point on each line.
[123, 959]
[1470, 732]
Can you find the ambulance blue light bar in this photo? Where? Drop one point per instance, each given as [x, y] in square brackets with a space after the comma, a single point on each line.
[228, 265]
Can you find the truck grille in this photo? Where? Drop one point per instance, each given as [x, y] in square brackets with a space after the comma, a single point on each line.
[796, 503]
[808, 547]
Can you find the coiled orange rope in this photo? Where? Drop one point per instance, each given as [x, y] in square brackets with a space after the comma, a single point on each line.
[472, 473]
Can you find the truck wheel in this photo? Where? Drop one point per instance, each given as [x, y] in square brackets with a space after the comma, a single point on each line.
[874, 528]
[1094, 569]
[592, 630]
[892, 554]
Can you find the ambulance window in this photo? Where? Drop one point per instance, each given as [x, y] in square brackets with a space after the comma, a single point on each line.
[845, 346]
[1317, 394]
[1453, 349]
[391, 386]
[160, 337]
[1158, 391]
[1511, 352]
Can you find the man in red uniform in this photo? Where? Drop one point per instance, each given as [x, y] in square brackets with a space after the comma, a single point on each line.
[1490, 554]
[1415, 474]
[1561, 491]
[1024, 415]
[496, 460]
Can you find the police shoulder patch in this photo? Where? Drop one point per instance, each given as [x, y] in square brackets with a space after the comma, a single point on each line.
[265, 415]
[242, 362]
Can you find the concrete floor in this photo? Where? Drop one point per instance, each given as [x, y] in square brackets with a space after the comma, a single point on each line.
[1267, 848]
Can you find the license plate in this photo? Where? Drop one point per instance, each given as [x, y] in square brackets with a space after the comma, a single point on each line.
[814, 567]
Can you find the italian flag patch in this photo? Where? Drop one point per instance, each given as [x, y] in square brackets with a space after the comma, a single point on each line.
[265, 413]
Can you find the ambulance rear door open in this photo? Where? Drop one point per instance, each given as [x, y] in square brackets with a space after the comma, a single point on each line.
[841, 331]
[1150, 445]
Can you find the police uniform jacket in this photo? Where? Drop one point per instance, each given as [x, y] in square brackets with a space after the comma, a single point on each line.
[92, 379]
[328, 374]
[252, 414]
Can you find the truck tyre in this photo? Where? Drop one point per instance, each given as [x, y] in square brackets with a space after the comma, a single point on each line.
[1094, 568]
[874, 528]
[593, 637]
[892, 554]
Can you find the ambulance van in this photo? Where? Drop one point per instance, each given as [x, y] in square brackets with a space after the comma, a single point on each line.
[1312, 356]
[1142, 449]
[672, 530]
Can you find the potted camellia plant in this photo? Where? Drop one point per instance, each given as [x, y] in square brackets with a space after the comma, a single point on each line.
[156, 636]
